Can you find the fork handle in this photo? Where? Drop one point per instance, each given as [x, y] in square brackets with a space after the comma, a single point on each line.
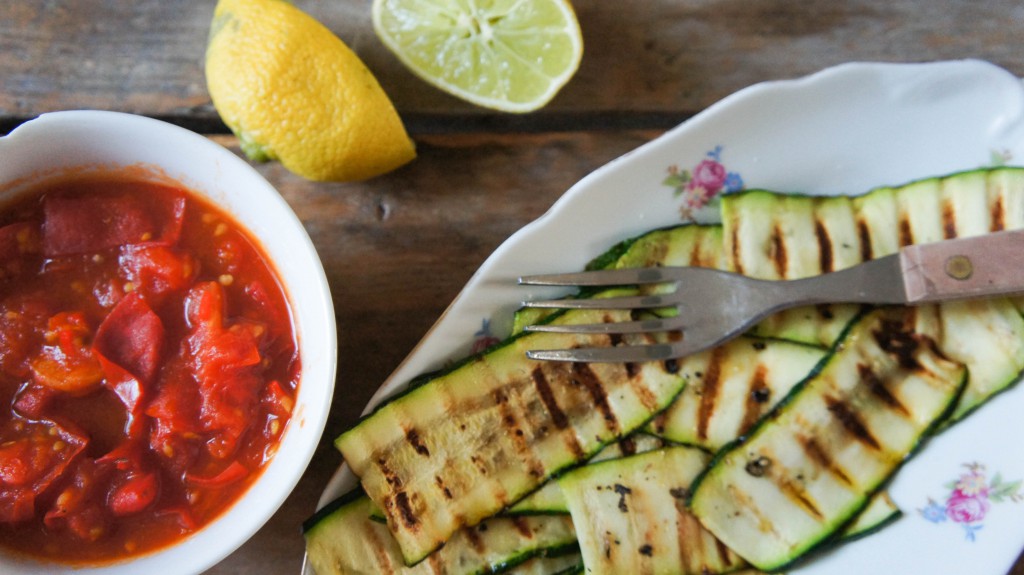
[981, 266]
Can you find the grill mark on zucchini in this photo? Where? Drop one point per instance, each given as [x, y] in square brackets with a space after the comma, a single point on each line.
[758, 396]
[737, 249]
[864, 232]
[413, 437]
[998, 215]
[948, 220]
[473, 535]
[522, 527]
[444, 488]
[899, 343]
[519, 439]
[819, 455]
[709, 392]
[584, 375]
[906, 233]
[405, 513]
[851, 422]
[558, 416]
[825, 256]
[798, 495]
[778, 252]
[764, 524]
[878, 388]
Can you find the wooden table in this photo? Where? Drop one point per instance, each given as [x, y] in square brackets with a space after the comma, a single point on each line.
[397, 249]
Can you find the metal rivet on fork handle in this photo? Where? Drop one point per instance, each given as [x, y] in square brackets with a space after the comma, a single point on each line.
[959, 267]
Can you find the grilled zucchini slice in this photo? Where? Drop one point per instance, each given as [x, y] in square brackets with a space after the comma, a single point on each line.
[809, 466]
[631, 516]
[343, 539]
[466, 444]
[730, 387]
[775, 236]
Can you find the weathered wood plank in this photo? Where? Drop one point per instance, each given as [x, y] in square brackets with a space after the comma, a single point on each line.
[641, 56]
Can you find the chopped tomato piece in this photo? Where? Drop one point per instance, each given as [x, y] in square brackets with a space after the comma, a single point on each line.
[226, 365]
[33, 454]
[175, 415]
[85, 224]
[135, 493]
[155, 270]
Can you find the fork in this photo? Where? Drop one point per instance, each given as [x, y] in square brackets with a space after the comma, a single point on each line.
[714, 306]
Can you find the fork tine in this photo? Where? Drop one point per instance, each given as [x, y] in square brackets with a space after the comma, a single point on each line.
[641, 326]
[625, 276]
[623, 302]
[620, 354]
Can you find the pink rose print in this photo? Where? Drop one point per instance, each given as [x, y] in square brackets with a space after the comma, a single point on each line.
[965, 508]
[708, 175]
[970, 499]
[702, 186]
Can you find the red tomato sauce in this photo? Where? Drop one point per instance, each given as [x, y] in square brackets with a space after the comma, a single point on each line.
[148, 367]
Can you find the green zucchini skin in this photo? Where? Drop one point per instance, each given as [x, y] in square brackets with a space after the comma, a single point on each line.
[344, 540]
[465, 445]
[813, 463]
[631, 516]
[880, 512]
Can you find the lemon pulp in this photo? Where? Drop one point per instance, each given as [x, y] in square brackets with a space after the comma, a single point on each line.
[509, 55]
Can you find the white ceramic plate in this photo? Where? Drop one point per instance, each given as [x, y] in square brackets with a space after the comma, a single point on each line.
[841, 131]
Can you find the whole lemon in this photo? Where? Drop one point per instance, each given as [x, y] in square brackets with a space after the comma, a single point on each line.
[293, 91]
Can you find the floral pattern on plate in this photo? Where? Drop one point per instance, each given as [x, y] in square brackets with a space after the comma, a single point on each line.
[970, 498]
[703, 185]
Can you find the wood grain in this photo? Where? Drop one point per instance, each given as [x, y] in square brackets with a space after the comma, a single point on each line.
[664, 59]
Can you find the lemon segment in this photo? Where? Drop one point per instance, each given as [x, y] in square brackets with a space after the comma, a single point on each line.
[509, 55]
[293, 91]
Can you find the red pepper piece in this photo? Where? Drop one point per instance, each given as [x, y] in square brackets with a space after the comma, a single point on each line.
[132, 337]
[86, 224]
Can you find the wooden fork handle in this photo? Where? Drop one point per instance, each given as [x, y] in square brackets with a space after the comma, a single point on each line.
[980, 266]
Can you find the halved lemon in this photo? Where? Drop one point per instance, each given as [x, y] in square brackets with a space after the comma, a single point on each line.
[509, 55]
[293, 91]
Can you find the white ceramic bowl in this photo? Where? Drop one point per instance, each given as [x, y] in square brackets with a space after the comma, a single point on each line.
[101, 140]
